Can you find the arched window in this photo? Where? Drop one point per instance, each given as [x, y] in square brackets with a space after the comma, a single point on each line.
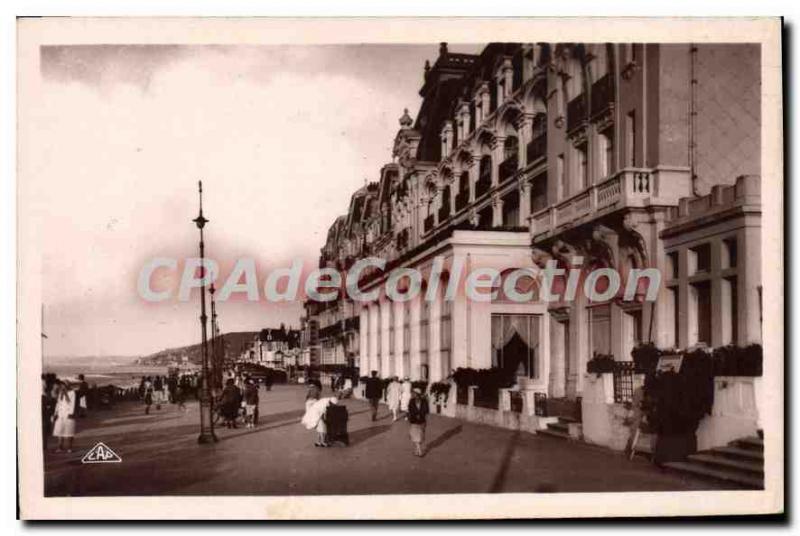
[510, 157]
[485, 169]
[510, 147]
[463, 182]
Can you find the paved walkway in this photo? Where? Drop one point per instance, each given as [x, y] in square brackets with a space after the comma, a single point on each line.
[160, 455]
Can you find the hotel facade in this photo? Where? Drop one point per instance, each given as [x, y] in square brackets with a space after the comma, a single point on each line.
[624, 156]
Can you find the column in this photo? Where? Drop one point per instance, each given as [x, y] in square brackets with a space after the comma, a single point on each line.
[748, 281]
[414, 325]
[398, 368]
[497, 157]
[497, 210]
[385, 366]
[458, 347]
[525, 136]
[473, 171]
[363, 343]
[558, 356]
[524, 201]
[434, 341]
[373, 339]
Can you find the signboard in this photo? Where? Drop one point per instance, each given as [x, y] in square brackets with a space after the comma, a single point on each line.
[668, 363]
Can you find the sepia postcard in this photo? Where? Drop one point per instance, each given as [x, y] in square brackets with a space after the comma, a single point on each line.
[408, 269]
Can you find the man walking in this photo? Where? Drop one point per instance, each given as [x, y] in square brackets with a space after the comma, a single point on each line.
[373, 392]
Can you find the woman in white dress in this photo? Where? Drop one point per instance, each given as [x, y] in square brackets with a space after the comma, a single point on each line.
[314, 418]
[393, 396]
[64, 417]
[405, 397]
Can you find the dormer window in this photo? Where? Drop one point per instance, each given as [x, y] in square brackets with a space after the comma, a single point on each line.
[447, 139]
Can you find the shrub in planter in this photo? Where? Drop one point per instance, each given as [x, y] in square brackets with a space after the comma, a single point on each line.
[645, 358]
[488, 381]
[676, 402]
[420, 385]
[440, 391]
[600, 363]
[734, 360]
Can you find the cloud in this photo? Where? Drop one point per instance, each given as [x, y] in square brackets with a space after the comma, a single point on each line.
[281, 137]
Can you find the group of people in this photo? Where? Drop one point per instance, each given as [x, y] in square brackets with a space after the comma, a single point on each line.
[172, 389]
[63, 402]
[401, 397]
[316, 407]
[237, 396]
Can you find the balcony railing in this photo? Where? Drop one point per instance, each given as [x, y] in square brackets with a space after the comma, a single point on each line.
[462, 200]
[537, 148]
[629, 188]
[428, 223]
[576, 112]
[602, 95]
[508, 167]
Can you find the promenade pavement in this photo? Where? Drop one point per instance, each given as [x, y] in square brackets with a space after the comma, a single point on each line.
[161, 456]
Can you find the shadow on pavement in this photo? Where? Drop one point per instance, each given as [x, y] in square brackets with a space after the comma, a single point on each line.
[257, 429]
[439, 441]
[362, 435]
[502, 471]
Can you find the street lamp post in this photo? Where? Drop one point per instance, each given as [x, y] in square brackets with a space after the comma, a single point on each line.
[214, 341]
[206, 420]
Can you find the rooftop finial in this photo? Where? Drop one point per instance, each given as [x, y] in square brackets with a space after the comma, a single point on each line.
[405, 119]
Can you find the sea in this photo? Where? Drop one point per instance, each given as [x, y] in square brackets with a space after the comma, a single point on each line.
[101, 372]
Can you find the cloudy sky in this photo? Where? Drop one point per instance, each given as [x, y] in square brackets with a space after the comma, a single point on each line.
[281, 137]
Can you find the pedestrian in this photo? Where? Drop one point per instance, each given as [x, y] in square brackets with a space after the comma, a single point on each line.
[230, 402]
[147, 389]
[181, 388]
[405, 397]
[393, 395]
[64, 416]
[251, 403]
[158, 386]
[48, 408]
[373, 392]
[314, 418]
[417, 417]
[82, 393]
[172, 387]
[268, 380]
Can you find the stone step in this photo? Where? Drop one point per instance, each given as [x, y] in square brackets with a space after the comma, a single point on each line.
[700, 469]
[559, 427]
[733, 452]
[553, 433]
[729, 463]
[754, 443]
[568, 420]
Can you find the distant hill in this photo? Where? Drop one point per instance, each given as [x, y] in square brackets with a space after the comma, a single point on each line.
[234, 343]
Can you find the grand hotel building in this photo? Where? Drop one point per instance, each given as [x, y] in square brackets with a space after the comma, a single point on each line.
[626, 155]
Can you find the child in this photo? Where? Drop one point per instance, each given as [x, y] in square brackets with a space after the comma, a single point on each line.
[250, 403]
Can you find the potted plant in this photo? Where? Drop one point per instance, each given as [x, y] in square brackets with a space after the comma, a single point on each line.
[676, 402]
[600, 364]
[440, 391]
